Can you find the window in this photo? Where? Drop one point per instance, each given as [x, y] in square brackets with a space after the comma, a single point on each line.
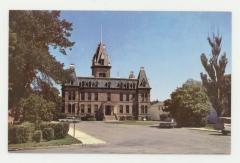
[82, 108]
[133, 96]
[96, 96]
[89, 108]
[71, 82]
[101, 61]
[142, 109]
[82, 96]
[146, 111]
[121, 109]
[102, 75]
[142, 96]
[121, 97]
[73, 108]
[89, 96]
[146, 96]
[69, 108]
[109, 96]
[127, 109]
[127, 97]
[95, 108]
[69, 95]
[73, 95]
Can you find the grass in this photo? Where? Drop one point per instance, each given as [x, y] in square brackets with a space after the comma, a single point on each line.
[68, 140]
[132, 122]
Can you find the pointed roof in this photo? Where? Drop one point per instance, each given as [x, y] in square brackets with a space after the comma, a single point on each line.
[100, 57]
[142, 79]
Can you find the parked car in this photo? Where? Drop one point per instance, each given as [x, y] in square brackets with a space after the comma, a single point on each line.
[223, 124]
[171, 123]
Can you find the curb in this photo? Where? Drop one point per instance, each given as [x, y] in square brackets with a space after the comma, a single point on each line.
[204, 129]
[46, 147]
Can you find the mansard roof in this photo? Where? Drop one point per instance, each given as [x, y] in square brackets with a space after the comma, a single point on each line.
[116, 83]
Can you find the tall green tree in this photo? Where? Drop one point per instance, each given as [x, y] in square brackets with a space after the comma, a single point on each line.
[31, 35]
[35, 108]
[189, 104]
[217, 84]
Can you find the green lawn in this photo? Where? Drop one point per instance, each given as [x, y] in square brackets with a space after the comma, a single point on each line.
[65, 141]
[132, 122]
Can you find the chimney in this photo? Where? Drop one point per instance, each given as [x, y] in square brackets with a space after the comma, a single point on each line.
[72, 66]
[131, 75]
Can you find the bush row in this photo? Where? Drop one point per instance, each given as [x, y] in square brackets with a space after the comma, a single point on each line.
[27, 132]
[60, 129]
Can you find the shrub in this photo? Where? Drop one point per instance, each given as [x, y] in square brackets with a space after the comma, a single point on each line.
[48, 134]
[31, 127]
[37, 136]
[60, 129]
[18, 134]
[44, 125]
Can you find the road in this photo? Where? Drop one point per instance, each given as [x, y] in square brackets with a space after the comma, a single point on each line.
[139, 139]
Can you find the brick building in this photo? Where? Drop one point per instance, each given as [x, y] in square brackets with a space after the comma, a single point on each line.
[104, 97]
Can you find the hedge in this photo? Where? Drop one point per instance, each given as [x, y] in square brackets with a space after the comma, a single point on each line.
[48, 133]
[37, 136]
[60, 129]
[19, 134]
[25, 132]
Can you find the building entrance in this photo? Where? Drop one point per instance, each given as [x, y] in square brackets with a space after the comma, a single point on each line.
[108, 110]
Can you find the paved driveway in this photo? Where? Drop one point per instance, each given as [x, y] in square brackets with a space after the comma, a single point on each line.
[147, 140]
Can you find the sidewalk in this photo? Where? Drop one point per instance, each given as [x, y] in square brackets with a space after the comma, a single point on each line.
[85, 138]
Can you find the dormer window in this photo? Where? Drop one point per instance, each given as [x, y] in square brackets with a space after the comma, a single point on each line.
[71, 82]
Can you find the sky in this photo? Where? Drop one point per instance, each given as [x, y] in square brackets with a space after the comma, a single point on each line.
[167, 44]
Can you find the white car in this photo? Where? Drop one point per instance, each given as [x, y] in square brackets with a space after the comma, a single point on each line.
[224, 124]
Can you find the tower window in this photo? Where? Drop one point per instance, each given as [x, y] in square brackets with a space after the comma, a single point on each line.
[102, 75]
[101, 61]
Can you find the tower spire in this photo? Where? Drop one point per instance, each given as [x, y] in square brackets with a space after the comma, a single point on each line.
[101, 34]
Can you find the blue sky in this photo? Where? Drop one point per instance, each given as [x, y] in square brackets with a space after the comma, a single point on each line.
[167, 44]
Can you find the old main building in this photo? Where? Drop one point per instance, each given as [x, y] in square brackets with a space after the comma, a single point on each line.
[104, 97]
